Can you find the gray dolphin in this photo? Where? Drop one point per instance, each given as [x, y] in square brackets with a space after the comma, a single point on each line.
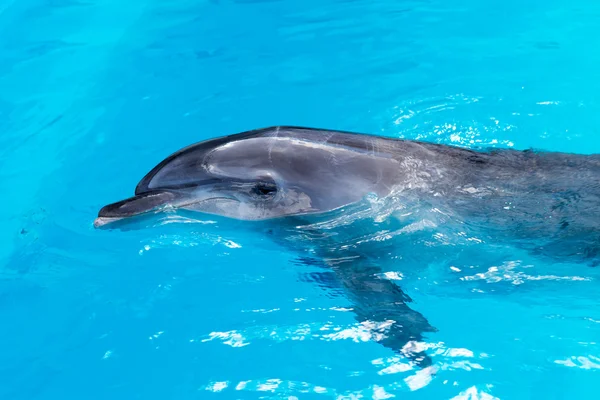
[546, 202]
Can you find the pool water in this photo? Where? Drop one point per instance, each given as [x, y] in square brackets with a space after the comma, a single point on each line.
[94, 93]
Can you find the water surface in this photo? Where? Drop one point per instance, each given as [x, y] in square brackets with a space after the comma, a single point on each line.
[94, 93]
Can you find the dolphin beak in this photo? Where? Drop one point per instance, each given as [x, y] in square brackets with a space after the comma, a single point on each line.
[140, 204]
[101, 221]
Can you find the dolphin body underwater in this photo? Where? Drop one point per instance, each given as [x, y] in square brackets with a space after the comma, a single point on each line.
[545, 202]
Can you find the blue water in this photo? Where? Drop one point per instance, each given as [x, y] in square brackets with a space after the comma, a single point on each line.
[94, 93]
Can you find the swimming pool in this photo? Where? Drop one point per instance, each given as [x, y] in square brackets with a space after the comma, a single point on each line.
[94, 94]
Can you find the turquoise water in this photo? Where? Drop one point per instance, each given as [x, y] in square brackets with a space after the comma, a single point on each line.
[93, 94]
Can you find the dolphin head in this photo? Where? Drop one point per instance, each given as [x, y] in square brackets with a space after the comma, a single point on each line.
[259, 175]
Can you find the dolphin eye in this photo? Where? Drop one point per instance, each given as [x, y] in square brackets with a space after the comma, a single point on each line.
[264, 189]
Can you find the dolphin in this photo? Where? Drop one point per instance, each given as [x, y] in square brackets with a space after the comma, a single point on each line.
[545, 202]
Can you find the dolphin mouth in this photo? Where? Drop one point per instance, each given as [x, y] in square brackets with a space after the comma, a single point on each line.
[143, 203]
[99, 222]
[155, 202]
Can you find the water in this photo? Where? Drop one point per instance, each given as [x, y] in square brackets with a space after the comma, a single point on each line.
[93, 94]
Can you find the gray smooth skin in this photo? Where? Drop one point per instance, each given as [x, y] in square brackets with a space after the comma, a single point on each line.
[548, 203]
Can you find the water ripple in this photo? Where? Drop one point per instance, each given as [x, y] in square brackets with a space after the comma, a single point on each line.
[583, 362]
[507, 273]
